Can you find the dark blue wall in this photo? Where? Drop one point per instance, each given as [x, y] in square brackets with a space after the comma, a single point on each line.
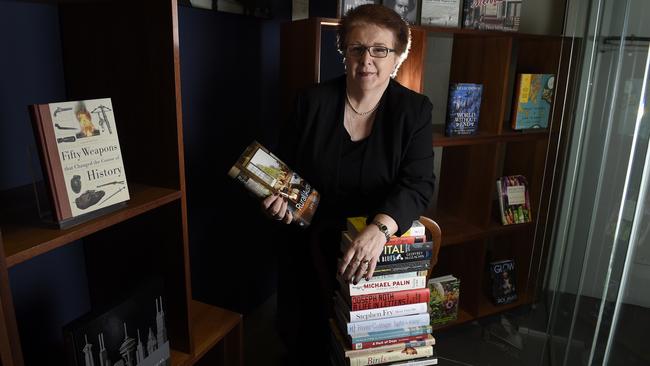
[230, 89]
[31, 71]
[50, 290]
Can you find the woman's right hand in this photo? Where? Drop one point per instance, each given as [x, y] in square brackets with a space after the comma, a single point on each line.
[275, 207]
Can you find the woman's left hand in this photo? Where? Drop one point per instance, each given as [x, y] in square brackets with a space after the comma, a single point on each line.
[360, 258]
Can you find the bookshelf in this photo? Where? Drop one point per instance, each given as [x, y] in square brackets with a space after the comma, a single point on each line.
[465, 207]
[138, 67]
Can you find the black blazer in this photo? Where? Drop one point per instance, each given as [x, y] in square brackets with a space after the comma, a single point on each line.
[397, 169]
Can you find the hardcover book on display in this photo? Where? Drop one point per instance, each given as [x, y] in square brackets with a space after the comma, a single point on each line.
[441, 13]
[81, 158]
[533, 101]
[263, 174]
[502, 15]
[502, 277]
[514, 201]
[463, 109]
[445, 294]
[132, 333]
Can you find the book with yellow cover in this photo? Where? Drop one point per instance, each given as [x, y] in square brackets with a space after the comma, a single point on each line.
[357, 224]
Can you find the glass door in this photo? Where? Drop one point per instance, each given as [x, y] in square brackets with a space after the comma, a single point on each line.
[597, 285]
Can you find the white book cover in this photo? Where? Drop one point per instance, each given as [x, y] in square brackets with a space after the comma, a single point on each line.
[392, 356]
[380, 325]
[387, 312]
[442, 13]
[90, 153]
[380, 285]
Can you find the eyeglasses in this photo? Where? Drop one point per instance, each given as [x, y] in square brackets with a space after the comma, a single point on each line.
[357, 50]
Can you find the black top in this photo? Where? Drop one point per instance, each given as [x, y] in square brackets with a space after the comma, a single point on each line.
[352, 153]
[396, 165]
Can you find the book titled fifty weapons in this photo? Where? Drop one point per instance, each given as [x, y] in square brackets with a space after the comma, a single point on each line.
[263, 174]
[81, 157]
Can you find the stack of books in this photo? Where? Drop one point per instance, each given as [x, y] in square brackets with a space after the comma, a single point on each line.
[385, 320]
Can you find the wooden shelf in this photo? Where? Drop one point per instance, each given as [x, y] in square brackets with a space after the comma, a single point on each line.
[180, 358]
[440, 140]
[455, 230]
[465, 31]
[210, 325]
[486, 307]
[25, 236]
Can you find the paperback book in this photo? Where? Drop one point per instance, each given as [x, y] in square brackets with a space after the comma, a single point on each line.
[502, 15]
[502, 276]
[533, 101]
[264, 174]
[514, 201]
[463, 109]
[445, 294]
[81, 158]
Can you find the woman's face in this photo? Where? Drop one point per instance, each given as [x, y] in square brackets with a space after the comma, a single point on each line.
[365, 72]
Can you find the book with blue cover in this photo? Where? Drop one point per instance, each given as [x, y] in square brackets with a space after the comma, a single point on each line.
[533, 101]
[463, 109]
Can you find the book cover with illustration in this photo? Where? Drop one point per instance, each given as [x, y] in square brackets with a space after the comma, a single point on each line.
[463, 109]
[500, 15]
[502, 277]
[445, 294]
[441, 13]
[264, 174]
[533, 101]
[80, 156]
[514, 200]
[133, 332]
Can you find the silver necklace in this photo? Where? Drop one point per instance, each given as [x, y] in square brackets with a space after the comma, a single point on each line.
[361, 113]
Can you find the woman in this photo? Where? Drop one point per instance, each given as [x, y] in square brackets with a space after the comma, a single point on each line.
[365, 143]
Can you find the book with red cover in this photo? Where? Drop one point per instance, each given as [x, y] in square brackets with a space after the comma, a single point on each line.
[80, 157]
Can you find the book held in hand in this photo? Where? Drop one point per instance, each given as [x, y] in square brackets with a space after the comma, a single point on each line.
[81, 158]
[463, 109]
[264, 174]
[514, 201]
[502, 277]
[533, 101]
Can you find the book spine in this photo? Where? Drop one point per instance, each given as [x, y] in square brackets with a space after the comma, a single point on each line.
[394, 333]
[401, 267]
[424, 361]
[397, 240]
[411, 256]
[380, 325]
[387, 312]
[389, 356]
[388, 299]
[51, 161]
[381, 286]
[365, 348]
